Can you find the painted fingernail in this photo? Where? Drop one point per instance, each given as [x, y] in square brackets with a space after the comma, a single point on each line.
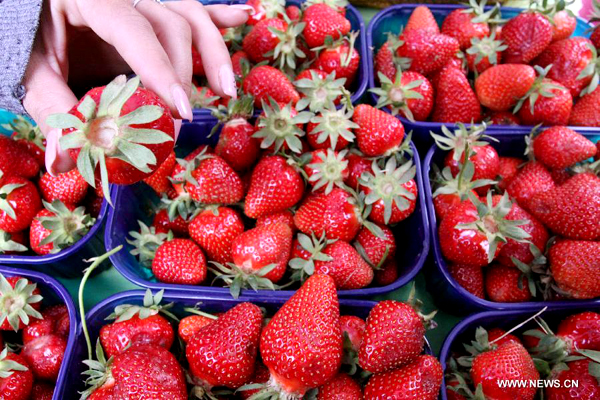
[227, 81]
[182, 103]
[249, 9]
[178, 123]
[57, 160]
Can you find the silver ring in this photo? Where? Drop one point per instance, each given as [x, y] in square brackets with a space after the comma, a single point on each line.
[136, 2]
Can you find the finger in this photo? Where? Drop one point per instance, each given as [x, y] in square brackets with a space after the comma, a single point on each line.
[57, 160]
[229, 16]
[209, 42]
[175, 35]
[119, 24]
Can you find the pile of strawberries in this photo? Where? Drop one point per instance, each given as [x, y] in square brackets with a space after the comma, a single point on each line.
[569, 359]
[34, 341]
[287, 53]
[305, 350]
[39, 212]
[523, 71]
[514, 229]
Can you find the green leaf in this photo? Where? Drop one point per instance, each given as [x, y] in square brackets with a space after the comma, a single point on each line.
[137, 155]
[115, 106]
[144, 136]
[87, 108]
[86, 165]
[64, 121]
[142, 115]
[73, 140]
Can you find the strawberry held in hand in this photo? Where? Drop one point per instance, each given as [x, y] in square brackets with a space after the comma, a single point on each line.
[121, 132]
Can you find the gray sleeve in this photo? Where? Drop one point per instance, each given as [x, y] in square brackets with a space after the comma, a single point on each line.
[19, 20]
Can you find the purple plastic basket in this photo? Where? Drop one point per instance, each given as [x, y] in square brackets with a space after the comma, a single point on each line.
[54, 293]
[133, 203]
[449, 293]
[464, 332]
[96, 318]
[356, 21]
[394, 18]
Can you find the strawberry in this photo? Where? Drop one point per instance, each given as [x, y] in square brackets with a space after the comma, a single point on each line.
[203, 97]
[469, 277]
[527, 35]
[58, 226]
[12, 243]
[20, 302]
[484, 53]
[353, 328]
[275, 186]
[215, 230]
[506, 284]
[261, 376]
[286, 217]
[30, 138]
[503, 118]
[595, 37]
[238, 60]
[455, 100]
[457, 62]
[340, 57]
[576, 371]
[357, 165]
[569, 209]
[322, 21]
[385, 60]
[509, 361]
[265, 9]
[560, 176]
[501, 86]
[580, 331]
[393, 338]
[264, 81]
[179, 261]
[307, 324]
[191, 325]
[42, 391]
[142, 371]
[419, 380]
[55, 321]
[585, 111]
[467, 24]
[223, 353]
[508, 168]
[564, 25]
[197, 65]
[498, 337]
[16, 160]
[572, 263]
[410, 95]
[387, 274]
[422, 19]
[474, 234]
[331, 128]
[93, 130]
[533, 178]
[159, 180]
[335, 213]
[293, 13]
[280, 126]
[19, 203]
[340, 387]
[428, 52]
[376, 249]
[17, 380]
[378, 133]
[260, 43]
[44, 355]
[163, 224]
[326, 169]
[560, 147]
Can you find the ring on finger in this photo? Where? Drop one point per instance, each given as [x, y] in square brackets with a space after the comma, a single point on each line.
[136, 2]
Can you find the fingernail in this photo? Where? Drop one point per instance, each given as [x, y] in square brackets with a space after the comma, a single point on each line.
[227, 81]
[182, 103]
[57, 160]
[178, 123]
[249, 9]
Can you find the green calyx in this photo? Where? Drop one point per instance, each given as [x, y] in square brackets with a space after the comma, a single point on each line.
[493, 224]
[550, 8]
[25, 130]
[320, 93]
[302, 268]
[273, 8]
[536, 268]
[242, 107]
[189, 166]
[182, 206]
[15, 303]
[66, 227]
[5, 205]
[396, 95]
[541, 87]
[329, 172]
[480, 345]
[98, 373]
[237, 278]
[278, 125]
[417, 305]
[594, 365]
[486, 47]
[9, 367]
[145, 243]
[151, 306]
[387, 185]
[201, 99]
[287, 51]
[591, 70]
[393, 44]
[461, 138]
[9, 245]
[104, 132]
[481, 15]
[332, 124]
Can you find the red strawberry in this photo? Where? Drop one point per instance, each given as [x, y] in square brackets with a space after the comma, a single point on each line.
[159, 180]
[533, 178]
[261, 376]
[387, 274]
[573, 264]
[16, 160]
[331, 129]
[293, 13]
[422, 19]
[503, 118]
[409, 94]
[581, 331]
[508, 168]
[261, 42]
[264, 81]
[357, 165]
[203, 97]
[428, 52]
[455, 101]
[264, 9]
[576, 371]
[378, 133]
[393, 338]
[55, 321]
[215, 230]
[20, 301]
[44, 355]
[93, 125]
[454, 62]
[595, 37]
[459, 25]
[419, 380]
[307, 324]
[42, 391]
[570, 209]
[163, 224]
[322, 21]
[498, 337]
[340, 387]
[376, 250]
[469, 277]
[19, 203]
[237, 60]
[191, 325]
[197, 65]
[30, 138]
[560, 147]
[385, 59]
[335, 213]
[502, 284]
[484, 53]
[526, 35]
[286, 217]
[341, 58]
[585, 112]
[564, 25]
[501, 86]
[17, 385]
[275, 186]
[179, 261]
[69, 188]
[223, 353]
[237, 146]
[354, 328]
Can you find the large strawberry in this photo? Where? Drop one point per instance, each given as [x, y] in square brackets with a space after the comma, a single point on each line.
[573, 264]
[45, 355]
[533, 178]
[16, 379]
[467, 24]
[585, 112]
[214, 229]
[159, 180]
[577, 371]
[179, 261]
[340, 57]
[560, 147]
[19, 203]
[120, 132]
[264, 81]
[302, 344]
[15, 160]
[501, 86]
[340, 387]
[326, 169]
[455, 100]
[30, 138]
[408, 93]
[322, 21]
[376, 249]
[262, 39]
[469, 277]
[20, 301]
[428, 52]
[527, 35]
[223, 353]
[55, 321]
[69, 188]
[506, 284]
[378, 133]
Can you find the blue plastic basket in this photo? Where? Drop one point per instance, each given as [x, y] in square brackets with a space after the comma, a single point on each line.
[133, 203]
[394, 18]
[441, 284]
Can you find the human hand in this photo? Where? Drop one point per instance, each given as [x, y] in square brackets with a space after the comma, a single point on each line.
[85, 43]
